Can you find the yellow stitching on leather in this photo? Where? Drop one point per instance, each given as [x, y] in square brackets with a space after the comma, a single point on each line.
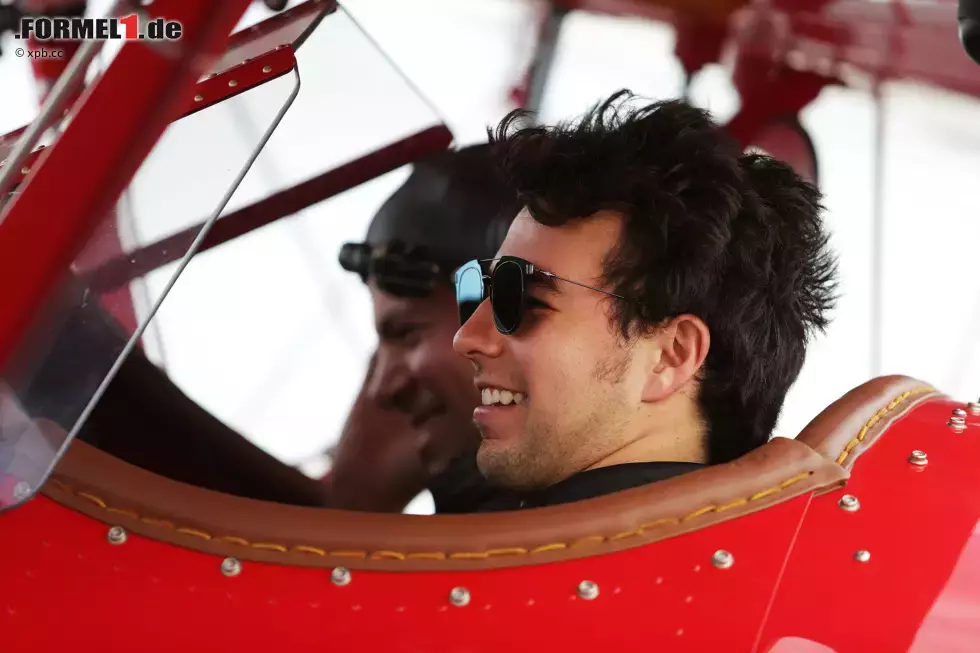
[796, 478]
[660, 522]
[120, 511]
[426, 556]
[735, 504]
[158, 522]
[698, 513]
[876, 417]
[437, 555]
[764, 493]
[625, 534]
[557, 546]
[94, 499]
[309, 549]
[510, 551]
[270, 547]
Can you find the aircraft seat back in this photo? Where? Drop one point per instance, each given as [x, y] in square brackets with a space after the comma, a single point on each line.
[850, 425]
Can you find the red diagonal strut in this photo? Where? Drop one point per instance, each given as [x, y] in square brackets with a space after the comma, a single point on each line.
[81, 176]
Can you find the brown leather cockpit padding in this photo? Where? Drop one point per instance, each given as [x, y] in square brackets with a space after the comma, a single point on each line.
[850, 425]
[119, 494]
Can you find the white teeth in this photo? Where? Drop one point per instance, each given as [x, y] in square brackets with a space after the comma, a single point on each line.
[492, 396]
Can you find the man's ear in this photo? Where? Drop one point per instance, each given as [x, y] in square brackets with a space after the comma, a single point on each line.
[682, 346]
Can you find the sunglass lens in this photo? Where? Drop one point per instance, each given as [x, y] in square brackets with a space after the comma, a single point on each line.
[469, 289]
[507, 295]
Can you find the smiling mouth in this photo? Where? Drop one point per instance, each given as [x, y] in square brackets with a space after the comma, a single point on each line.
[501, 397]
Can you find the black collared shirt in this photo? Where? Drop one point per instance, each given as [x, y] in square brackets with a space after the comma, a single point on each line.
[589, 484]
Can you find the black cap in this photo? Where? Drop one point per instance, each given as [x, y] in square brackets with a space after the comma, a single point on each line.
[454, 207]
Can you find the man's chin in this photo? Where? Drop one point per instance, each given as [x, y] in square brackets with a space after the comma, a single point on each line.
[496, 462]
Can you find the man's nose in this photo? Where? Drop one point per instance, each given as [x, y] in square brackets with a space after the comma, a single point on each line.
[478, 336]
[390, 385]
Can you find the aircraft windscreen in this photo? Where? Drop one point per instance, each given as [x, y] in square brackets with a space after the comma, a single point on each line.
[223, 327]
[59, 370]
[265, 330]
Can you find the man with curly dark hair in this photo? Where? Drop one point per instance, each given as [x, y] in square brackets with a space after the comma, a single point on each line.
[650, 307]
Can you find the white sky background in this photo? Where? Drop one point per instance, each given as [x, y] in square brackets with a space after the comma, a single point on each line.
[271, 335]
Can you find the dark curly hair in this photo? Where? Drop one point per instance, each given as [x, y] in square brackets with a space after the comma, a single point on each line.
[736, 239]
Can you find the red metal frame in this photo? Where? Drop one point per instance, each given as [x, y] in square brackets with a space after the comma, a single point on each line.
[289, 27]
[9, 141]
[895, 40]
[117, 122]
[208, 92]
[787, 51]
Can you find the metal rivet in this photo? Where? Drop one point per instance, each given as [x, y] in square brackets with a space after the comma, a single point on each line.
[267, 69]
[198, 97]
[459, 596]
[974, 407]
[588, 590]
[722, 559]
[959, 412]
[232, 83]
[919, 458]
[958, 424]
[340, 576]
[117, 535]
[849, 502]
[862, 556]
[22, 490]
[231, 566]
[24, 170]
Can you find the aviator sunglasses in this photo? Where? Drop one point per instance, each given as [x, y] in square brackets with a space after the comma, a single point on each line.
[507, 285]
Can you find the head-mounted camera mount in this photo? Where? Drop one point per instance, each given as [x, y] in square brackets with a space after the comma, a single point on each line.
[395, 268]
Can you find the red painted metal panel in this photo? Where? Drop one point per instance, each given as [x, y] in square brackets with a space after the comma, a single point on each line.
[9, 141]
[239, 78]
[289, 27]
[896, 40]
[209, 91]
[117, 124]
[58, 567]
[919, 590]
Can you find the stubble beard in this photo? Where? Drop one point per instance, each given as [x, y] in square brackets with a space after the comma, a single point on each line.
[548, 450]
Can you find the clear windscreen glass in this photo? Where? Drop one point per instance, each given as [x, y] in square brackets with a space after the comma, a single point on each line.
[60, 369]
[265, 330]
